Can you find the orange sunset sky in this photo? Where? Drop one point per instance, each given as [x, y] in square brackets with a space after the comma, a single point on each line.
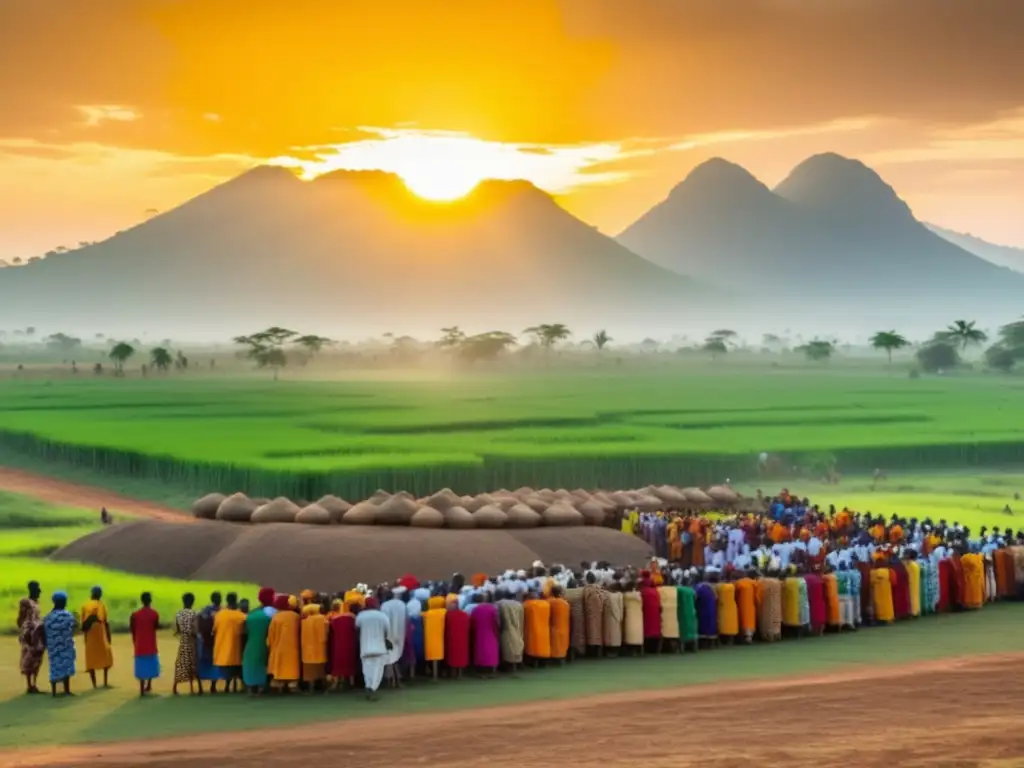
[112, 108]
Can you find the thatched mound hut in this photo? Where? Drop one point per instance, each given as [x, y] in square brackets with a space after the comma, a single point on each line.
[379, 497]
[427, 517]
[521, 516]
[723, 494]
[490, 516]
[593, 512]
[280, 510]
[206, 507]
[459, 518]
[442, 500]
[335, 507]
[398, 510]
[561, 514]
[697, 496]
[536, 503]
[314, 514]
[363, 513]
[236, 508]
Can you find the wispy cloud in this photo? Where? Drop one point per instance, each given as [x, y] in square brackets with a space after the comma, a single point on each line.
[1000, 139]
[97, 114]
[699, 140]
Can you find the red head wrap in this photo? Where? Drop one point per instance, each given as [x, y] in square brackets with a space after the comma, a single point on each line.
[266, 597]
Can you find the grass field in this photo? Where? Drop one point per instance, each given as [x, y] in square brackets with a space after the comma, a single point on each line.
[118, 714]
[616, 429]
[31, 529]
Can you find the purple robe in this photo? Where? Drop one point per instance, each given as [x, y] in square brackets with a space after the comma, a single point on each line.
[707, 611]
[486, 630]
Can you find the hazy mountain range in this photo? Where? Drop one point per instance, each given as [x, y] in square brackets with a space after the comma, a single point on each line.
[831, 247]
[1003, 255]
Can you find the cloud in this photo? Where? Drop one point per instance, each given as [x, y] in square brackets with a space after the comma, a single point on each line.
[999, 139]
[97, 114]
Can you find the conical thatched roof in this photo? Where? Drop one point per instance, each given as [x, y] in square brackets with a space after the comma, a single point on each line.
[442, 500]
[398, 510]
[363, 513]
[313, 514]
[490, 516]
[536, 503]
[670, 495]
[622, 499]
[696, 496]
[280, 510]
[723, 494]
[561, 514]
[236, 508]
[427, 517]
[206, 507]
[458, 517]
[547, 494]
[648, 503]
[523, 491]
[335, 506]
[379, 497]
[479, 501]
[521, 516]
[593, 512]
[259, 501]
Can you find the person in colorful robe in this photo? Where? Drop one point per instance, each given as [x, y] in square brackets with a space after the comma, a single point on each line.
[594, 601]
[746, 607]
[95, 623]
[228, 640]
[284, 659]
[728, 613]
[313, 646]
[456, 639]
[143, 626]
[513, 623]
[344, 643]
[561, 625]
[537, 632]
[433, 633]
[650, 606]
[613, 617]
[768, 595]
[633, 618]
[791, 602]
[59, 635]
[374, 630]
[974, 580]
[394, 607]
[30, 637]
[185, 627]
[686, 615]
[881, 595]
[577, 620]
[255, 653]
[707, 613]
[207, 670]
[485, 625]
[816, 602]
[667, 597]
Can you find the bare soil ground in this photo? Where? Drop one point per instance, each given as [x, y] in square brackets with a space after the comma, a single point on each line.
[88, 497]
[957, 712]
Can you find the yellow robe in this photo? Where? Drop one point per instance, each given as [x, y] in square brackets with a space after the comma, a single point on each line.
[98, 654]
[669, 614]
[914, 576]
[433, 629]
[283, 642]
[227, 638]
[314, 639]
[728, 614]
[791, 602]
[537, 618]
[746, 604]
[974, 580]
[881, 594]
[633, 618]
[353, 597]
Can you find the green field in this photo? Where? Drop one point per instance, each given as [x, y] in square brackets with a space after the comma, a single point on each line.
[118, 714]
[616, 429]
[31, 529]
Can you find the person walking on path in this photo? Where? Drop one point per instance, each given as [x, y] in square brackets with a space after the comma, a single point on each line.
[143, 626]
[96, 631]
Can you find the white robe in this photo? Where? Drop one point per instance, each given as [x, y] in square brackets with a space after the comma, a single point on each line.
[374, 634]
[397, 617]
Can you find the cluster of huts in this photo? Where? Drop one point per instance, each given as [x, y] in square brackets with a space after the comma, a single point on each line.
[522, 508]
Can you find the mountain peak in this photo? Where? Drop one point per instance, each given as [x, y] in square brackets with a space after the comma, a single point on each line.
[719, 178]
[844, 191]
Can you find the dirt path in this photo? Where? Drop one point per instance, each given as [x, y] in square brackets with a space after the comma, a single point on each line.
[957, 712]
[87, 496]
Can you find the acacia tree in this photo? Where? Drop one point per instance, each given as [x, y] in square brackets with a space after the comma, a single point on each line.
[161, 358]
[818, 350]
[266, 347]
[889, 341]
[312, 343]
[120, 354]
[714, 346]
[485, 346]
[451, 338]
[549, 334]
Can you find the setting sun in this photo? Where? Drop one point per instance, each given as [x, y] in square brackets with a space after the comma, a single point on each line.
[447, 165]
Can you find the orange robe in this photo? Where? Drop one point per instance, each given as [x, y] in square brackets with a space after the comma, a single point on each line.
[283, 641]
[746, 604]
[314, 637]
[560, 627]
[433, 629]
[697, 541]
[537, 616]
[728, 615]
[832, 600]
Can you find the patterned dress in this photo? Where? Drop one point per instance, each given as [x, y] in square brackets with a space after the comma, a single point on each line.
[185, 629]
[29, 636]
[60, 644]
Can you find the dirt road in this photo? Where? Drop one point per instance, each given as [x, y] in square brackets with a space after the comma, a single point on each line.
[86, 496]
[959, 712]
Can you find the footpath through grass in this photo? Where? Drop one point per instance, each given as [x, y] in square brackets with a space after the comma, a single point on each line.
[118, 714]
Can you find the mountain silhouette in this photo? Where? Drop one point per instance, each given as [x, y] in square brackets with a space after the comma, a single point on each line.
[1001, 255]
[833, 230]
[349, 252]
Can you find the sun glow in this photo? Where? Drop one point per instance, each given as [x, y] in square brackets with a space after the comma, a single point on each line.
[443, 166]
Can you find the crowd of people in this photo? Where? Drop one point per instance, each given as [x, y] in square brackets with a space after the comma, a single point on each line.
[789, 569]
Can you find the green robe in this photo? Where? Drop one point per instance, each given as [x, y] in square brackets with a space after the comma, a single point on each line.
[254, 657]
[686, 611]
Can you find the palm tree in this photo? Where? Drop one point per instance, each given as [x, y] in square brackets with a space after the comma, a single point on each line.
[120, 354]
[161, 358]
[889, 341]
[601, 339]
[963, 333]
